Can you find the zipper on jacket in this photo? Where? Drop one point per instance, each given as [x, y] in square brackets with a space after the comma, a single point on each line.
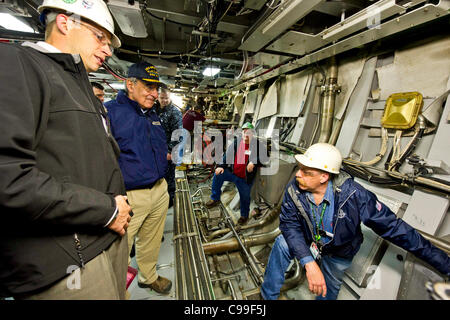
[308, 220]
[78, 247]
[153, 149]
[337, 220]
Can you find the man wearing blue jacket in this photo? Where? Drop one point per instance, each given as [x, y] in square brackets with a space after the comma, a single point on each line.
[142, 141]
[320, 223]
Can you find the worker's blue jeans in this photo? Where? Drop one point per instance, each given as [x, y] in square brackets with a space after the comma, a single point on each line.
[333, 269]
[242, 186]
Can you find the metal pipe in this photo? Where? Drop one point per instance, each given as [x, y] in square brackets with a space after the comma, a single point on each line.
[439, 243]
[193, 281]
[395, 174]
[225, 278]
[216, 269]
[274, 213]
[181, 290]
[329, 90]
[336, 130]
[295, 280]
[233, 293]
[202, 274]
[187, 250]
[250, 258]
[233, 245]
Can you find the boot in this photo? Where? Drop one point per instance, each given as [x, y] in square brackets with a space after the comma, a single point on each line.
[211, 203]
[161, 285]
[242, 220]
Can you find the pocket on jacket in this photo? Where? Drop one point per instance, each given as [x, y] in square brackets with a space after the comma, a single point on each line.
[346, 227]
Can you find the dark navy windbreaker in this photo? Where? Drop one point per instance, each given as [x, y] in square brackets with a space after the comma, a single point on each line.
[142, 142]
[353, 205]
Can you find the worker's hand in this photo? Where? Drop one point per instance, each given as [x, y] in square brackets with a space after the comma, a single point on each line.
[219, 171]
[250, 167]
[120, 223]
[169, 157]
[315, 278]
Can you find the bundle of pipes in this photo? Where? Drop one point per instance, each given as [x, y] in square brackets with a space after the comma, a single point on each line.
[395, 177]
[192, 274]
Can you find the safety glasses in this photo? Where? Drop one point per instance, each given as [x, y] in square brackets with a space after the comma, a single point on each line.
[100, 35]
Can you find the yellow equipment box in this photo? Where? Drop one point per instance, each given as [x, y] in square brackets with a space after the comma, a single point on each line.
[402, 110]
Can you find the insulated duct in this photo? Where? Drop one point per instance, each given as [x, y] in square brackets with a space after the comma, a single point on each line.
[273, 214]
[329, 91]
[222, 246]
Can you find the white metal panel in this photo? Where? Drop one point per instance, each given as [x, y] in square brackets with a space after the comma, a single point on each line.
[355, 112]
[422, 68]
[269, 105]
[284, 16]
[426, 211]
[385, 282]
[313, 95]
[349, 73]
[271, 127]
[250, 101]
[293, 93]
[440, 149]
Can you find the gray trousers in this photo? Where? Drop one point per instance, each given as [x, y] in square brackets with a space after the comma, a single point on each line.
[103, 278]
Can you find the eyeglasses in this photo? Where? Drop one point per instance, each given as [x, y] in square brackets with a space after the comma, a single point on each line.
[150, 86]
[100, 35]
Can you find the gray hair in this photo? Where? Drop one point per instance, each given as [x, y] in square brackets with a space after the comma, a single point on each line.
[132, 79]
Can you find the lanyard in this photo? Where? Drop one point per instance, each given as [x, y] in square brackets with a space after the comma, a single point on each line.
[317, 235]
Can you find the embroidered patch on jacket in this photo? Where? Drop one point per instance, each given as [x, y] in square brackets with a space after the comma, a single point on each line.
[341, 214]
[378, 205]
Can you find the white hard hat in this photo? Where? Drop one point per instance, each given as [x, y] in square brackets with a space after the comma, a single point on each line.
[94, 10]
[321, 156]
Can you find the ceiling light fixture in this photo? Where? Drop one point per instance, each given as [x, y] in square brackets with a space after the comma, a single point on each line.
[129, 18]
[211, 71]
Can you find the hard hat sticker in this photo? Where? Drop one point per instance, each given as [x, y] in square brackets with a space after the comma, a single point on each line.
[70, 1]
[87, 4]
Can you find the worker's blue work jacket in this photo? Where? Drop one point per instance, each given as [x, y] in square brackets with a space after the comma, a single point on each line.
[353, 205]
[142, 142]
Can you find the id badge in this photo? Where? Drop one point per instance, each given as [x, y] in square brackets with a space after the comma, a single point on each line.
[247, 152]
[314, 251]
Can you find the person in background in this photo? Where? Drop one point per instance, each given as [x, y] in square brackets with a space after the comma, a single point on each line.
[320, 223]
[99, 91]
[171, 120]
[143, 161]
[192, 115]
[239, 166]
[62, 195]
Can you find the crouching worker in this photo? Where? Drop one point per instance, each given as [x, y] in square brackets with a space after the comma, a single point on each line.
[320, 223]
[239, 166]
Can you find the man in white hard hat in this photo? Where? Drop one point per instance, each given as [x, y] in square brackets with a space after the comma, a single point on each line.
[61, 192]
[320, 223]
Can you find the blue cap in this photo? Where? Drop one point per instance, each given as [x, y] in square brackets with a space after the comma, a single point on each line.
[144, 71]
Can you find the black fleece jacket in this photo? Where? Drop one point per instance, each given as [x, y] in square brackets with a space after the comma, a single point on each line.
[58, 169]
